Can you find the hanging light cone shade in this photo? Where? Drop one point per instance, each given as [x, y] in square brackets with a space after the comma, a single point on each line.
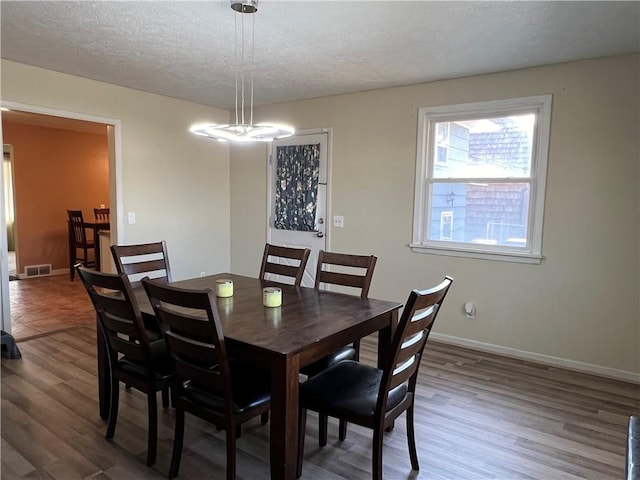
[243, 131]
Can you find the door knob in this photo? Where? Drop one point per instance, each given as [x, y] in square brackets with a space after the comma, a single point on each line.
[320, 234]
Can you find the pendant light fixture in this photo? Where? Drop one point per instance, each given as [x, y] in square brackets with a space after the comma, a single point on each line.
[244, 130]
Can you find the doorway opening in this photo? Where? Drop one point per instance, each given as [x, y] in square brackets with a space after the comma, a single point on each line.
[24, 322]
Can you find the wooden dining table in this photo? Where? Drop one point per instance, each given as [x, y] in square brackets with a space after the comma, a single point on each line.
[308, 325]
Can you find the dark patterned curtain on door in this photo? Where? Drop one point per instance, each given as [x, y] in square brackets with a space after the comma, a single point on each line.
[296, 196]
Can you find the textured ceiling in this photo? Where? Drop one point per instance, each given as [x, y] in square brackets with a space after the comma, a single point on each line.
[307, 49]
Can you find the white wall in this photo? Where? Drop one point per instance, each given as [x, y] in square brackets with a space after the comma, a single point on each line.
[175, 182]
[581, 305]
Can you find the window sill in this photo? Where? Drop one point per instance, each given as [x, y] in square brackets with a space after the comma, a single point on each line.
[514, 257]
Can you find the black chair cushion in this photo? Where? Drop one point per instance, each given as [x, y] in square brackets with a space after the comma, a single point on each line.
[251, 388]
[345, 353]
[160, 363]
[347, 387]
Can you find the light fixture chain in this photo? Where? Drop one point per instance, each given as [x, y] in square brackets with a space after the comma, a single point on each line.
[253, 36]
[243, 68]
[243, 131]
[235, 59]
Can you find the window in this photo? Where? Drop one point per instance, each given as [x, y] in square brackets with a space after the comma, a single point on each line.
[484, 164]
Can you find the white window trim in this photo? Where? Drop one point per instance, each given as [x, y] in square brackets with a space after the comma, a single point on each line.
[542, 105]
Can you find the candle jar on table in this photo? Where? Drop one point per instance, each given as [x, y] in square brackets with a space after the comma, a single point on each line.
[272, 296]
[224, 288]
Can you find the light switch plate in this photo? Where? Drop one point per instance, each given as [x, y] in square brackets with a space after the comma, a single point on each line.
[132, 217]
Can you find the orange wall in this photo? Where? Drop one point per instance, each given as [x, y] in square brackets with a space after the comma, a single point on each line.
[54, 170]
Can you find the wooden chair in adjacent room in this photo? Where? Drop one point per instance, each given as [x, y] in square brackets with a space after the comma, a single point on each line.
[101, 215]
[134, 359]
[81, 244]
[209, 384]
[356, 272]
[374, 397]
[284, 262]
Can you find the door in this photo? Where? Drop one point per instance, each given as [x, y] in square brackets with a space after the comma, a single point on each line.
[297, 193]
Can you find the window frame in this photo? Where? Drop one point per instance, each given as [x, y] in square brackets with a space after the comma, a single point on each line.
[540, 105]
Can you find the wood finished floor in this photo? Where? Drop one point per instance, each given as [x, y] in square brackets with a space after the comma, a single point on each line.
[478, 416]
[48, 304]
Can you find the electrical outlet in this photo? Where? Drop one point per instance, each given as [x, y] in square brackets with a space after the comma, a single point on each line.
[132, 217]
[338, 221]
[202, 274]
[470, 310]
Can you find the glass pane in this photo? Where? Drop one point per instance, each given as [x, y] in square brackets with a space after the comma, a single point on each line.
[499, 147]
[296, 187]
[480, 213]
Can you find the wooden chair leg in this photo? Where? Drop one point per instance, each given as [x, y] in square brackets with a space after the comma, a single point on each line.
[411, 440]
[302, 428]
[377, 454]
[113, 409]
[152, 427]
[323, 420]
[342, 430]
[231, 451]
[178, 438]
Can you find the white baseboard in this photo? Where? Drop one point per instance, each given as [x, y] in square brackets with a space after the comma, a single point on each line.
[539, 358]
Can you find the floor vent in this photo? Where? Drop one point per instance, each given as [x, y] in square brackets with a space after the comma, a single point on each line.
[37, 270]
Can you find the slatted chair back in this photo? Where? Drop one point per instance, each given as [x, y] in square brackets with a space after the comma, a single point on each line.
[101, 215]
[194, 336]
[414, 327]
[142, 260]
[115, 302]
[80, 244]
[284, 262]
[77, 225]
[354, 270]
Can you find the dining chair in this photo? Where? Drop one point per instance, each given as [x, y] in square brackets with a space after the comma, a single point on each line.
[101, 215]
[142, 260]
[209, 384]
[284, 262]
[81, 244]
[374, 397]
[356, 272]
[133, 359]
